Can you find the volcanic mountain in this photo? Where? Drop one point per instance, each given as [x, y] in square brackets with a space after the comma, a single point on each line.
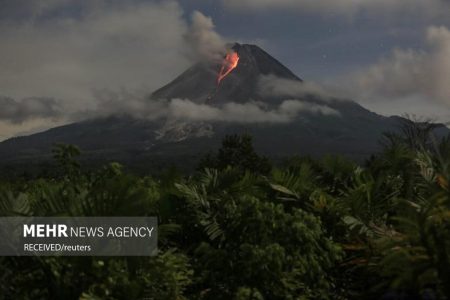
[199, 83]
[351, 130]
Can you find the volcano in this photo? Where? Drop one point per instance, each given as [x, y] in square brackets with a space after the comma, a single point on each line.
[353, 131]
[199, 83]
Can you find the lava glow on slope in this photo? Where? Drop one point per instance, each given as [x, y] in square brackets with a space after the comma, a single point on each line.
[229, 63]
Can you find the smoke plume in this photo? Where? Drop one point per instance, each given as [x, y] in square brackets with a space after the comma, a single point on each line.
[205, 44]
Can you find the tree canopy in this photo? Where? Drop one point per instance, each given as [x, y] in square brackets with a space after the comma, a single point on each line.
[240, 228]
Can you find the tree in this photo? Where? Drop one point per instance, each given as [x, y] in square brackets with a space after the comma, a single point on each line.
[253, 246]
[65, 156]
[237, 151]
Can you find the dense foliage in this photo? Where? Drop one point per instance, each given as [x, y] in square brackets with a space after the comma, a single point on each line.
[240, 229]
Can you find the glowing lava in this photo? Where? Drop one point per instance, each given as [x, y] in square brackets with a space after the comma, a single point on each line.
[229, 64]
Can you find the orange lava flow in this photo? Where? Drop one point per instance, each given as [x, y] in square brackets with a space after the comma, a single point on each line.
[229, 64]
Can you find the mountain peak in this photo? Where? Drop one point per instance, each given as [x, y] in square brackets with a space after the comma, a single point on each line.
[199, 83]
[264, 62]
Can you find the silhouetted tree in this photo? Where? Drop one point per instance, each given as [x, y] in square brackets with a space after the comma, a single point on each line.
[65, 155]
[237, 151]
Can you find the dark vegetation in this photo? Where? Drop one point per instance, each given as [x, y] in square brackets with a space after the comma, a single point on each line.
[241, 229]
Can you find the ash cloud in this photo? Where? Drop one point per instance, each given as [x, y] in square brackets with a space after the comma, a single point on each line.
[205, 44]
[17, 112]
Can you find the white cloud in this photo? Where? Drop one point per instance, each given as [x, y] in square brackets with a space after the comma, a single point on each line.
[27, 127]
[136, 104]
[287, 111]
[408, 74]
[130, 102]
